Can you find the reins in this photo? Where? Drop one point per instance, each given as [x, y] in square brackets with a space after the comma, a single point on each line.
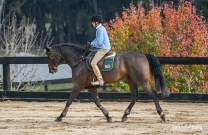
[72, 56]
[82, 57]
[64, 61]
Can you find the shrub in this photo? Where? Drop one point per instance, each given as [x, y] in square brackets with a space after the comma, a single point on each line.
[20, 38]
[165, 31]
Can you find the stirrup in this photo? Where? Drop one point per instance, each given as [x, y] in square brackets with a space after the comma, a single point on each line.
[95, 83]
[98, 82]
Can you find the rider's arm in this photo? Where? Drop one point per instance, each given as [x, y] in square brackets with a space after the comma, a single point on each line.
[98, 41]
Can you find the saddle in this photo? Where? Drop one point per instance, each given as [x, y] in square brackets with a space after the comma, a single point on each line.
[105, 64]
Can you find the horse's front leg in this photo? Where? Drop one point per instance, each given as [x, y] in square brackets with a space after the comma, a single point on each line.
[95, 97]
[75, 91]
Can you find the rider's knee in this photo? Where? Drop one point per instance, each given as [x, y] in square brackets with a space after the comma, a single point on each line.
[93, 64]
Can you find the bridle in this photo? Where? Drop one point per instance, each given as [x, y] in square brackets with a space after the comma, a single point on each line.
[62, 60]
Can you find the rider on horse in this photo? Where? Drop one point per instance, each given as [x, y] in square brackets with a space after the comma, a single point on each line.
[102, 43]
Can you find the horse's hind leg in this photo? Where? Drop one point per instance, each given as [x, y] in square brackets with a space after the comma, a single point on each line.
[152, 93]
[95, 97]
[134, 96]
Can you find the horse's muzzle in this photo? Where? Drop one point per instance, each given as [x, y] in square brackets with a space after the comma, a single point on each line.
[53, 70]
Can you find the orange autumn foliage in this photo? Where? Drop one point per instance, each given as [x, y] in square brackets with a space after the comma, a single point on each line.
[165, 31]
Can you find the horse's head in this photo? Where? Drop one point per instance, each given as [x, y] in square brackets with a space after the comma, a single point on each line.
[54, 60]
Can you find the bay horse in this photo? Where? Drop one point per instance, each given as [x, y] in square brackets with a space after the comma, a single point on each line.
[137, 68]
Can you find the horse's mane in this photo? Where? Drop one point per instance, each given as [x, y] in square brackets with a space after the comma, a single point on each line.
[58, 47]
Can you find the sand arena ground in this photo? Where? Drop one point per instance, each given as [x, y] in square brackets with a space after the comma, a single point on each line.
[37, 118]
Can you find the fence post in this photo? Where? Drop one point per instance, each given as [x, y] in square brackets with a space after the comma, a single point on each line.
[6, 77]
[46, 87]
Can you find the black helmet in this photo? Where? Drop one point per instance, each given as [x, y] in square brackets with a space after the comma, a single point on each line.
[97, 18]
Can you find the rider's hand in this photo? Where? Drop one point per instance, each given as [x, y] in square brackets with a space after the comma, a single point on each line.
[88, 45]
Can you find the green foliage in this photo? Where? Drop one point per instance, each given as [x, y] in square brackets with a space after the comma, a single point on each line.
[120, 86]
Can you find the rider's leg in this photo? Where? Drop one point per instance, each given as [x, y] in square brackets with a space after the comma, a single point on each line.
[99, 55]
[98, 75]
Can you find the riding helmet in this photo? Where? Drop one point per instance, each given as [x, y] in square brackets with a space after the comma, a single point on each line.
[97, 18]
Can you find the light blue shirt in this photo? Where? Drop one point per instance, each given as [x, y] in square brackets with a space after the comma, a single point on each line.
[101, 40]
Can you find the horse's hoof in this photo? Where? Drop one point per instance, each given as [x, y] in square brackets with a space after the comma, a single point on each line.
[109, 120]
[58, 119]
[162, 116]
[124, 118]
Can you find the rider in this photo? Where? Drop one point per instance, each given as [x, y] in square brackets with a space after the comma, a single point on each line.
[102, 43]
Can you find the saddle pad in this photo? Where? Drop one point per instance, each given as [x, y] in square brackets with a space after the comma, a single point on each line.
[107, 64]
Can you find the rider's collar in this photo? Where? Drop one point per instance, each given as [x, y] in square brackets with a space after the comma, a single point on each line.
[98, 26]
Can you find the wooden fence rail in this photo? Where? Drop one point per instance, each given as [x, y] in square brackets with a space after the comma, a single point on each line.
[86, 96]
[163, 60]
[45, 83]
[6, 61]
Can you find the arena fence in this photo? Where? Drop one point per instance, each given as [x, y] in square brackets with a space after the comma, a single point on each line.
[7, 94]
[108, 96]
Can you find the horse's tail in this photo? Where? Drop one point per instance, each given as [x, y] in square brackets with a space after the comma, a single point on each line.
[156, 71]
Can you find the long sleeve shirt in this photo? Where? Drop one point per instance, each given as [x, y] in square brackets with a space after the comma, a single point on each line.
[101, 40]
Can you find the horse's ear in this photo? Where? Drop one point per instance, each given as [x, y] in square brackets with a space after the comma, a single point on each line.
[48, 49]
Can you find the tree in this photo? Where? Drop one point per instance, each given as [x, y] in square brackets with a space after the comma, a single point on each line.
[1, 5]
[202, 5]
[64, 20]
[69, 21]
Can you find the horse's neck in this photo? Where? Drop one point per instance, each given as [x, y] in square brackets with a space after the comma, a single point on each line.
[68, 51]
[71, 56]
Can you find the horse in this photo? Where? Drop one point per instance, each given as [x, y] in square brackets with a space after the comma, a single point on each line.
[139, 69]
